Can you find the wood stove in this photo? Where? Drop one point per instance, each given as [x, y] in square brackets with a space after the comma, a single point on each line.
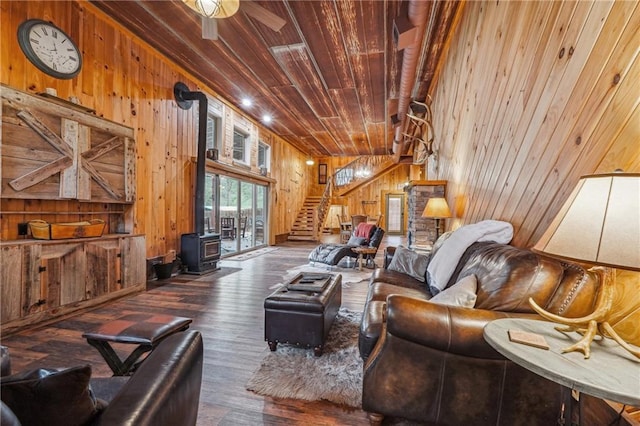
[200, 251]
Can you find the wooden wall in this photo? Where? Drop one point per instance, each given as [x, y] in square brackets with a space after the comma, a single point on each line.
[532, 96]
[127, 81]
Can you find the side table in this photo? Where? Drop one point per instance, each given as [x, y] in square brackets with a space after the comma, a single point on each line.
[144, 330]
[364, 251]
[610, 373]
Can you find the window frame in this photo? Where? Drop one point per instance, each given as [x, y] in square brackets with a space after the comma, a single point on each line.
[267, 154]
[245, 147]
[217, 123]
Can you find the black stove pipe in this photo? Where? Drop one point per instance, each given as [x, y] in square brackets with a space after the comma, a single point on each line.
[184, 98]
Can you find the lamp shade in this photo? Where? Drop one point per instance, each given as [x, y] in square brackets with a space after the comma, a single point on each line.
[599, 223]
[436, 208]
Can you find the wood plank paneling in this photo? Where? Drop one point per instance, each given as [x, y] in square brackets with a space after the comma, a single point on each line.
[531, 96]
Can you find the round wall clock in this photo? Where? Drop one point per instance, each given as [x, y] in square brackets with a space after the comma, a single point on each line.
[49, 48]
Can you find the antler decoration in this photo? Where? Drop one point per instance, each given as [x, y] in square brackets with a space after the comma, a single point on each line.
[421, 131]
[593, 324]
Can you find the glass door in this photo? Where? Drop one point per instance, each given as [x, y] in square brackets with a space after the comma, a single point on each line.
[229, 214]
[246, 215]
[242, 217]
[211, 203]
[395, 214]
[260, 223]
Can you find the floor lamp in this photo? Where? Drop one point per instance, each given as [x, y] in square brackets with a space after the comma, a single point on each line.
[437, 208]
[599, 225]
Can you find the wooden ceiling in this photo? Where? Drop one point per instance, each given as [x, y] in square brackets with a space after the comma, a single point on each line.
[329, 78]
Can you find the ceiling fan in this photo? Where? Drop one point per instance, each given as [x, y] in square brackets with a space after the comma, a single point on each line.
[212, 10]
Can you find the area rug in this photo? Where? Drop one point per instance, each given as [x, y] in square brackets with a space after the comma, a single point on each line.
[336, 376]
[349, 275]
[250, 254]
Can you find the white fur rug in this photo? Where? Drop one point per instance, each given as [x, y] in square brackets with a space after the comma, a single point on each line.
[336, 376]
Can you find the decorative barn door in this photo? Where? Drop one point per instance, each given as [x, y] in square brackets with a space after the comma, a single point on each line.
[52, 149]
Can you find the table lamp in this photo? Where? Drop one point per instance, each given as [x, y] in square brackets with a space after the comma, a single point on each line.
[437, 208]
[599, 225]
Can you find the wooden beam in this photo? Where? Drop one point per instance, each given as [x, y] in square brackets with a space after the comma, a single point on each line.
[103, 148]
[40, 174]
[100, 180]
[45, 133]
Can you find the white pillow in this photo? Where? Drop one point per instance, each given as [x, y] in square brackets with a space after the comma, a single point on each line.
[409, 262]
[462, 293]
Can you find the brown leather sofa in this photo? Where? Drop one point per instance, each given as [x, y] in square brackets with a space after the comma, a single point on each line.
[164, 390]
[430, 362]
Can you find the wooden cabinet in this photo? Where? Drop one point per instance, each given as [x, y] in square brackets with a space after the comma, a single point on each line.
[10, 282]
[42, 280]
[53, 276]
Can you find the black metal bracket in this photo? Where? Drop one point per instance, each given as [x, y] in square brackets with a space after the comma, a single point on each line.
[179, 90]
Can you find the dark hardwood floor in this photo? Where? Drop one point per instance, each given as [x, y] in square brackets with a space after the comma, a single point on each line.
[227, 307]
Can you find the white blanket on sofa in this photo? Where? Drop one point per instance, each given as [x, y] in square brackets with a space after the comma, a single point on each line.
[444, 261]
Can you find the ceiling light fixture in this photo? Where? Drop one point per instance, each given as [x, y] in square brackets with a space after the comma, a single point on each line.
[246, 102]
[208, 8]
[266, 118]
[310, 162]
[362, 172]
[214, 8]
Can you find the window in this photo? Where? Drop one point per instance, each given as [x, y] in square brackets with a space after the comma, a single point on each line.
[264, 160]
[213, 127]
[240, 146]
[212, 131]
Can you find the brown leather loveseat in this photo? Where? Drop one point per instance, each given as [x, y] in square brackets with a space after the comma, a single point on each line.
[429, 362]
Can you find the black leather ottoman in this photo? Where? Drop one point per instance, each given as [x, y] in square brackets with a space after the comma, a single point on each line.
[301, 317]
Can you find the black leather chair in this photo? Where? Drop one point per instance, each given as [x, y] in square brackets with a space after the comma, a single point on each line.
[332, 254]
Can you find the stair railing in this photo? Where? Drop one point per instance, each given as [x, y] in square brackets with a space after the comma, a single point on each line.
[320, 212]
[358, 170]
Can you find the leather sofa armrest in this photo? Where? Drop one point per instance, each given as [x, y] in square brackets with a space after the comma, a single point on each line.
[388, 255]
[445, 328]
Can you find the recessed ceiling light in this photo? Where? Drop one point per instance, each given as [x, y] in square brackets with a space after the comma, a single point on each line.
[246, 102]
[266, 118]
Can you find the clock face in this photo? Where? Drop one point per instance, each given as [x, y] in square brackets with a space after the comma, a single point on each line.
[49, 48]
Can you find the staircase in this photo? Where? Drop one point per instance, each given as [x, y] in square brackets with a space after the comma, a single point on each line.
[311, 216]
[303, 228]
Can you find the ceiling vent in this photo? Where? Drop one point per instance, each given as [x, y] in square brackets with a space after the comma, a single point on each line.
[404, 32]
